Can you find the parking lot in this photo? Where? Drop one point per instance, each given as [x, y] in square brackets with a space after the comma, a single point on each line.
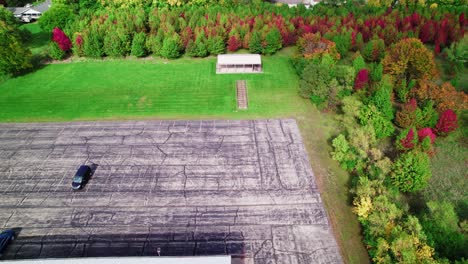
[243, 188]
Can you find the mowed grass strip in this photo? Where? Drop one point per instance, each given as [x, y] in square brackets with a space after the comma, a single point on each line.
[132, 88]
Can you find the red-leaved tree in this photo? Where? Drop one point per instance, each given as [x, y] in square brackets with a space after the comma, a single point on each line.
[62, 40]
[426, 132]
[362, 79]
[447, 123]
[233, 43]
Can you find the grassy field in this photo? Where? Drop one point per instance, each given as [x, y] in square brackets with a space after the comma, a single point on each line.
[186, 89]
[116, 89]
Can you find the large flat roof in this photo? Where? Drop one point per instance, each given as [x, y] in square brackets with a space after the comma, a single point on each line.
[239, 59]
[129, 260]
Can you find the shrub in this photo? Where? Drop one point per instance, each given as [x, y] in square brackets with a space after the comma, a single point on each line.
[343, 43]
[376, 72]
[343, 153]
[93, 44]
[384, 215]
[406, 140]
[201, 50]
[190, 49]
[62, 40]
[299, 64]
[138, 45]
[314, 82]
[273, 42]
[427, 116]
[359, 63]
[345, 76]
[457, 55]
[351, 107]
[154, 44]
[171, 47]
[114, 45]
[54, 51]
[198, 47]
[374, 51]
[370, 115]
[216, 45]
[78, 45]
[357, 41]
[447, 123]
[407, 116]
[411, 171]
[362, 79]
[255, 43]
[382, 99]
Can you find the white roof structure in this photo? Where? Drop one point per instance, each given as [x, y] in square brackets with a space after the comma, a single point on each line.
[129, 260]
[239, 59]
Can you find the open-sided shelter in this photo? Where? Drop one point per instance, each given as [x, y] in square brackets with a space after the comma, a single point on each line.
[239, 63]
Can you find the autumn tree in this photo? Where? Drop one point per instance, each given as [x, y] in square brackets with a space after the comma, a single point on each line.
[362, 79]
[314, 46]
[409, 59]
[447, 123]
[445, 96]
[234, 43]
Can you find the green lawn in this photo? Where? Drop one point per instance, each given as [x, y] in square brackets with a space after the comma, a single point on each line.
[144, 88]
[186, 89]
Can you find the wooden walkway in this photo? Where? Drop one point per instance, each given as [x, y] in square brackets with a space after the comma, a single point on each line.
[241, 91]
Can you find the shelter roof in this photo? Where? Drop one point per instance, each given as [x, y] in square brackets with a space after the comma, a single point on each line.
[239, 59]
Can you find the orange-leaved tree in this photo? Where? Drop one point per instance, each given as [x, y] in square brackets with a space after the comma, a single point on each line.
[410, 60]
[314, 46]
[445, 96]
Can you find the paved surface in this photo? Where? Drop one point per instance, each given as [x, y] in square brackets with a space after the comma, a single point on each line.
[243, 188]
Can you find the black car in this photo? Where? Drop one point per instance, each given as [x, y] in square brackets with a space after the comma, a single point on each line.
[5, 238]
[81, 177]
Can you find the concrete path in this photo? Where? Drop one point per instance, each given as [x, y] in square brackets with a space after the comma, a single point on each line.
[243, 188]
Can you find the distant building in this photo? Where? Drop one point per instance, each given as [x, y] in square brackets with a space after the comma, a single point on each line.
[29, 12]
[292, 3]
[239, 63]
